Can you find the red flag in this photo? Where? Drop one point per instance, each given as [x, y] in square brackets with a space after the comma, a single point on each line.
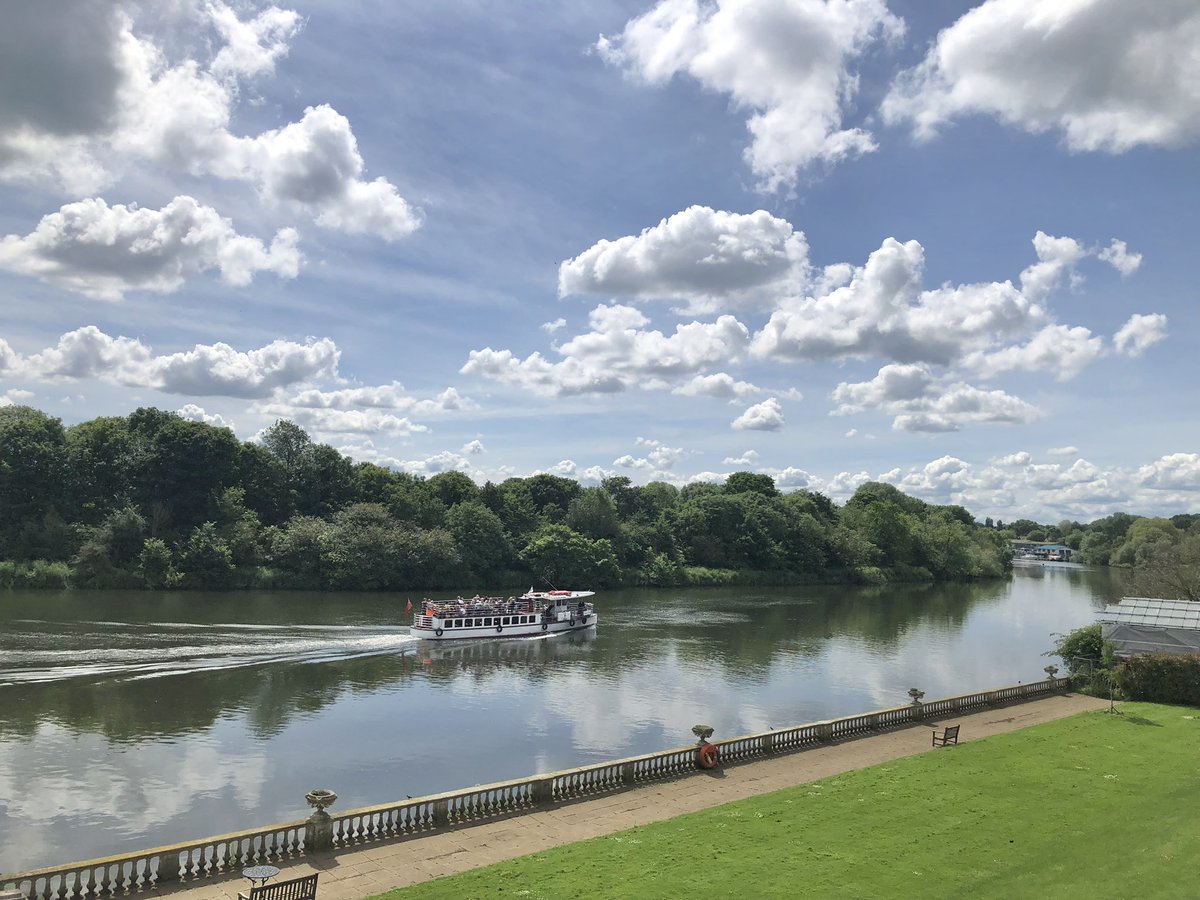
[409, 607]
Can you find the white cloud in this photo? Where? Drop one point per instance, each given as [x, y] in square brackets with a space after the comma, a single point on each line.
[1058, 349]
[618, 353]
[660, 459]
[205, 370]
[473, 448]
[1020, 458]
[105, 251]
[1175, 471]
[706, 257]
[350, 421]
[139, 106]
[788, 62]
[551, 327]
[765, 416]
[196, 413]
[1056, 256]
[921, 402]
[251, 47]
[1117, 255]
[1062, 451]
[1111, 75]
[961, 404]
[749, 458]
[384, 396]
[883, 312]
[1140, 333]
[720, 386]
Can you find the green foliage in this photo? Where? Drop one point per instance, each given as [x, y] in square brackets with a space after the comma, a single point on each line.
[220, 512]
[205, 561]
[37, 573]
[1083, 649]
[1161, 678]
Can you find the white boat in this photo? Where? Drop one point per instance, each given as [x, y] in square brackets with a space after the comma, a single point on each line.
[533, 613]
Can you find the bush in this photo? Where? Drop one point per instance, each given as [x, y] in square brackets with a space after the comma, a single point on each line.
[1161, 678]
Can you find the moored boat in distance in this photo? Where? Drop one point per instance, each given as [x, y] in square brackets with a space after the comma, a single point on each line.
[533, 613]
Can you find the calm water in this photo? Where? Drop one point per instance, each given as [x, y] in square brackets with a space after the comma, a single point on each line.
[129, 721]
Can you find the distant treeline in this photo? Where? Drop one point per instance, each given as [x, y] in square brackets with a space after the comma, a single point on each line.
[1117, 540]
[154, 500]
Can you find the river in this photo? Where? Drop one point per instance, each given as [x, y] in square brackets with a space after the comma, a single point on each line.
[133, 720]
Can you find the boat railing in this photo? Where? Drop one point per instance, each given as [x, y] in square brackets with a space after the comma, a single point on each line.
[224, 855]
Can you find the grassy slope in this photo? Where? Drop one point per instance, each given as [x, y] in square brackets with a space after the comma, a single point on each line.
[1097, 805]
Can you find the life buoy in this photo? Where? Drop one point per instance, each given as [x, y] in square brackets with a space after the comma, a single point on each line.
[585, 618]
[499, 628]
[571, 622]
[710, 756]
[544, 626]
[438, 632]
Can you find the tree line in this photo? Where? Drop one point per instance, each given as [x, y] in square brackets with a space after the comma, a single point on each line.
[153, 500]
[1164, 553]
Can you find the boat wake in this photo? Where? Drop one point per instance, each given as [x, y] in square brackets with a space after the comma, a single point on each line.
[33, 651]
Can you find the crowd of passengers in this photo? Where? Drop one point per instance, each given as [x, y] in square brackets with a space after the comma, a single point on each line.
[487, 606]
[478, 606]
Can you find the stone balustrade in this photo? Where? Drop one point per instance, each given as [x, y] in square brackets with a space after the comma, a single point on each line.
[221, 855]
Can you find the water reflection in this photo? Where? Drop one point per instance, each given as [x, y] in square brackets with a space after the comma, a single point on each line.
[132, 721]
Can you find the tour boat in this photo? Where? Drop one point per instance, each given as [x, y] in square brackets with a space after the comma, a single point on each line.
[533, 613]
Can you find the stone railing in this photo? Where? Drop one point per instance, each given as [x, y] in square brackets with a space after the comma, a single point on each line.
[213, 857]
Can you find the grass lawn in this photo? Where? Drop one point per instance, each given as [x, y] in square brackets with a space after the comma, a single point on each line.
[1094, 806]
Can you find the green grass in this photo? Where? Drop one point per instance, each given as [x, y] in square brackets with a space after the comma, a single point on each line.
[1098, 805]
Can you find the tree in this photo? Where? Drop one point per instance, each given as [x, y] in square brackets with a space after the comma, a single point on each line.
[562, 556]
[154, 564]
[751, 482]
[205, 561]
[364, 549]
[1171, 571]
[33, 469]
[480, 538]
[594, 513]
[453, 487]
[300, 547]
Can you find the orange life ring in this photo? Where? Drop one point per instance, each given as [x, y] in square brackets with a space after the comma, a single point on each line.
[710, 756]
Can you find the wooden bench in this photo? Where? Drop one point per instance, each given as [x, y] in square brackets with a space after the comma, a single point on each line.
[296, 889]
[948, 736]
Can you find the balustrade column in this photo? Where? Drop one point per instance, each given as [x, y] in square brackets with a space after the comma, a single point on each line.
[168, 868]
[543, 791]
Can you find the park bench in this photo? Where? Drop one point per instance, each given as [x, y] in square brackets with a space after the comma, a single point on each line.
[296, 889]
[948, 736]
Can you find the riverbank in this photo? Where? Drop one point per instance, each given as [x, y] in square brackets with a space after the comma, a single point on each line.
[381, 867]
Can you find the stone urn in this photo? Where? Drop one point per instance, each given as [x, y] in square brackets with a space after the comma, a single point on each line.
[318, 799]
[704, 732]
[916, 694]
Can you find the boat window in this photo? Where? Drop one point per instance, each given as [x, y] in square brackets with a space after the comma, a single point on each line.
[505, 620]
[487, 622]
[457, 623]
[478, 622]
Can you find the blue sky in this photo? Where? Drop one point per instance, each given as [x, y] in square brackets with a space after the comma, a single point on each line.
[940, 244]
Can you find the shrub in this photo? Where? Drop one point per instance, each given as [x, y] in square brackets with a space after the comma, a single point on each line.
[1161, 678]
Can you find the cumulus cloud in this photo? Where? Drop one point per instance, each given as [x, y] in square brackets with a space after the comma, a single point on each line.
[385, 396]
[1140, 333]
[351, 421]
[1108, 74]
[920, 401]
[1117, 255]
[720, 386]
[1060, 350]
[105, 251]
[749, 458]
[617, 354]
[707, 258]
[106, 98]
[1062, 451]
[659, 459]
[1175, 471]
[205, 370]
[790, 63]
[195, 413]
[765, 416]
[252, 47]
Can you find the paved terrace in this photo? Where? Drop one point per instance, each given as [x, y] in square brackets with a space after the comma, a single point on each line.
[380, 867]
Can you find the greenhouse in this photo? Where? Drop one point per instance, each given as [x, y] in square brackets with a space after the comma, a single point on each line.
[1148, 625]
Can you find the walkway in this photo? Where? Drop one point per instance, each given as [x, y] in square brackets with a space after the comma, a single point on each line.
[380, 867]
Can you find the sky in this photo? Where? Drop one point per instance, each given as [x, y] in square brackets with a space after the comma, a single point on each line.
[942, 245]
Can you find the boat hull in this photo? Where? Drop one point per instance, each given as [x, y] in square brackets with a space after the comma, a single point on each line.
[444, 632]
